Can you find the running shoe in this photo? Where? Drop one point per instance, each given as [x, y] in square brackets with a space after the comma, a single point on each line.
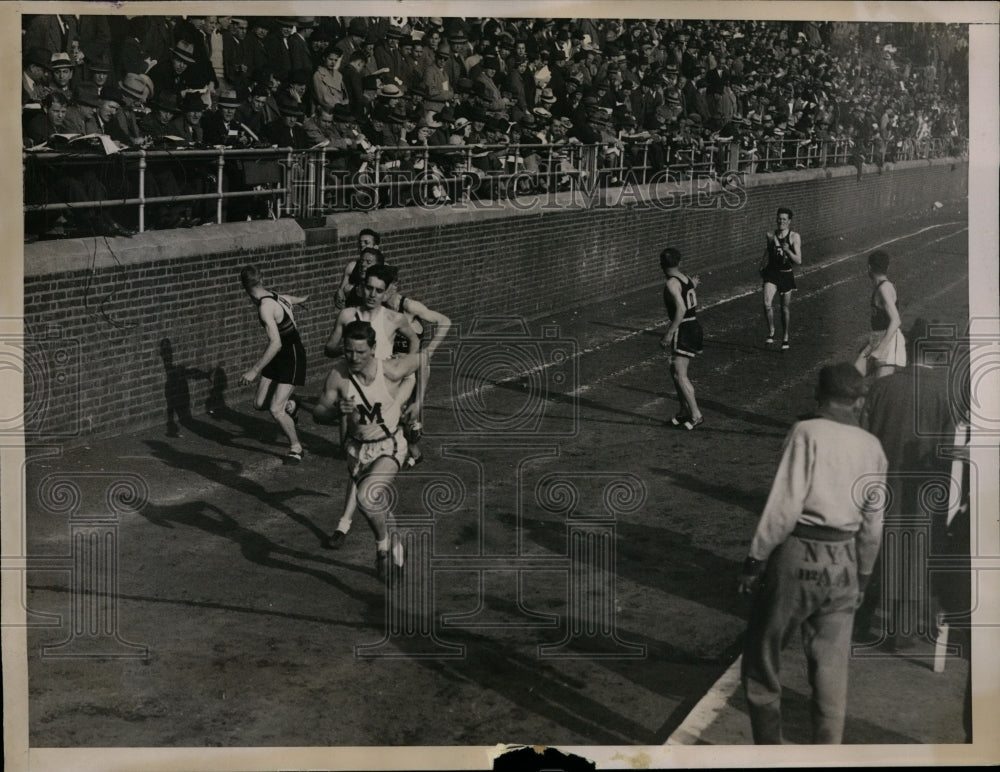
[784, 345]
[691, 423]
[679, 419]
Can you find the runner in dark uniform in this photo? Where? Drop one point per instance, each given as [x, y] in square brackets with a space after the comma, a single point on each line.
[683, 336]
[282, 367]
[784, 250]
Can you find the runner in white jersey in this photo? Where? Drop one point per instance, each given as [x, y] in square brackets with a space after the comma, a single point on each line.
[366, 393]
[386, 324]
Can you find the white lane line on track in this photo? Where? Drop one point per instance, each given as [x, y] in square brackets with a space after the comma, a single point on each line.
[708, 708]
[729, 298]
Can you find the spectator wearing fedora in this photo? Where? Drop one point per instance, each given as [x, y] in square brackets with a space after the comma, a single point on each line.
[163, 110]
[487, 89]
[296, 87]
[171, 74]
[436, 80]
[389, 57]
[255, 55]
[80, 117]
[357, 31]
[62, 70]
[220, 126]
[99, 70]
[187, 123]
[455, 67]
[34, 68]
[279, 45]
[328, 87]
[298, 44]
[134, 90]
[197, 31]
[287, 130]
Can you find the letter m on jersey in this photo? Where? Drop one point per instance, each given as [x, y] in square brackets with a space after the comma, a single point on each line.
[373, 416]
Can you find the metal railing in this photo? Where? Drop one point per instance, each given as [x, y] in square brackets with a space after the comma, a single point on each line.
[307, 183]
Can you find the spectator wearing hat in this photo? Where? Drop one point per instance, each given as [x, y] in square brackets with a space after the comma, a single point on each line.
[187, 123]
[279, 45]
[287, 130]
[328, 87]
[557, 74]
[220, 126]
[298, 44]
[34, 67]
[74, 184]
[296, 87]
[171, 74]
[80, 117]
[134, 90]
[255, 55]
[389, 57]
[357, 30]
[163, 110]
[197, 31]
[409, 50]
[436, 80]
[455, 67]
[98, 70]
[61, 69]
[235, 69]
[318, 42]
[487, 87]
[813, 528]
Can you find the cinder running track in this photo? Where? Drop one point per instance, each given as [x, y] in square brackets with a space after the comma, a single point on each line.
[573, 565]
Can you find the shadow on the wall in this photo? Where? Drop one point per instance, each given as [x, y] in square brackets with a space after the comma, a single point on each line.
[177, 394]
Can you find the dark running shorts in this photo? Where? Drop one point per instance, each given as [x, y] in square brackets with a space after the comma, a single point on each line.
[289, 365]
[783, 280]
[687, 340]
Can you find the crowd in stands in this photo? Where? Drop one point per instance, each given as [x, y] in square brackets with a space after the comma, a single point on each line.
[646, 92]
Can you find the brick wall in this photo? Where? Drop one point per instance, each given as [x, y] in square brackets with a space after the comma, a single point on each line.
[101, 315]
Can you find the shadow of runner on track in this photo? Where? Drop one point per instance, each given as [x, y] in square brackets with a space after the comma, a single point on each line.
[751, 501]
[258, 549]
[227, 473]
[651, 556]
[544, 688]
